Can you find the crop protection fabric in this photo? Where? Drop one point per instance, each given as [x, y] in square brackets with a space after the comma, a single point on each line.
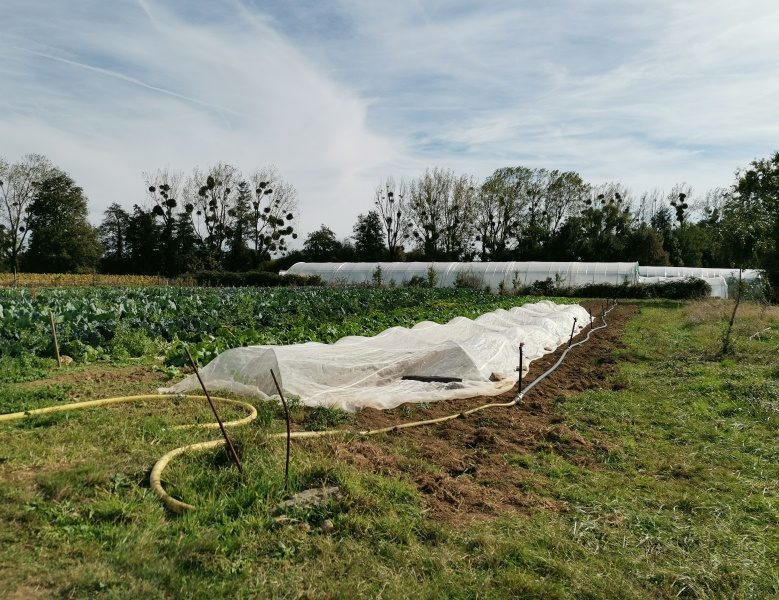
[357, 372]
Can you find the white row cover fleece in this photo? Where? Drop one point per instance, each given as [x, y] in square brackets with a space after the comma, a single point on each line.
[357, 372]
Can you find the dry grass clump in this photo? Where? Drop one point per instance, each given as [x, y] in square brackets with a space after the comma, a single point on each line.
[713, 310]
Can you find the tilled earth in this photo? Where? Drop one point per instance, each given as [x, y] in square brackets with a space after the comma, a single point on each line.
[461, 466]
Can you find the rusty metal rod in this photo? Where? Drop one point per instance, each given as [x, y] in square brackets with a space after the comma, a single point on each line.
[521, 364]
[289, 434]
[573, 328]
[228, 444]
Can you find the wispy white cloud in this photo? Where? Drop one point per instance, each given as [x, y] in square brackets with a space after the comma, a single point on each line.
[338, 94]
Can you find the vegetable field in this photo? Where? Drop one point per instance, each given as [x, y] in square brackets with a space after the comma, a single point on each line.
[117, 323]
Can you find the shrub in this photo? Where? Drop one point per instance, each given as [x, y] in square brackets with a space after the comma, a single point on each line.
[690, 288]
[469, 280]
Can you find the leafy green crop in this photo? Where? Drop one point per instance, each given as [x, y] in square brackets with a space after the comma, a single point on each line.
[94, 322]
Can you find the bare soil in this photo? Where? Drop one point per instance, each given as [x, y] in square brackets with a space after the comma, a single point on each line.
[462, 466]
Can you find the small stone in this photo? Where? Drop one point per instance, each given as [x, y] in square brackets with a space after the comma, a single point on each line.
[328, 526]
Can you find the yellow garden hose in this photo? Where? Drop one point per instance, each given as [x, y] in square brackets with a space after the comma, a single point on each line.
[156, 473]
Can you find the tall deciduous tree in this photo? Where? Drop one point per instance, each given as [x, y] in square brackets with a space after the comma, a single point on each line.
[500, 204]
[210, 197]
[273, 213]
[18, 183]
[751, 218]
[164, 188]
[442, 208]
[392, 204]
[61, 238]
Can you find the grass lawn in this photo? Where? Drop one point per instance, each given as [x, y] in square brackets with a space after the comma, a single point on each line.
[679, 501]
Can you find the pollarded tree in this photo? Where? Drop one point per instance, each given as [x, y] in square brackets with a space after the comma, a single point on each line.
[605, 224]
[392, 204]
[499, 209]
[164, 187]
[273, 213]
[565, 196]
[442, 208]
[61, 238]
[429, 194]
[18, 183]
[210, 197]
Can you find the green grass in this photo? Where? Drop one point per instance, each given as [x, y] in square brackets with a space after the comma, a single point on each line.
[678, 500]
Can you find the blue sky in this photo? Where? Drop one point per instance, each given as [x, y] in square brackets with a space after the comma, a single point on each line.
[340, 94]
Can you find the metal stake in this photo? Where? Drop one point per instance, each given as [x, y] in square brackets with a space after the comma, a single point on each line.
[228, 444]
[573, 328]
[521, 364]
[289, 434]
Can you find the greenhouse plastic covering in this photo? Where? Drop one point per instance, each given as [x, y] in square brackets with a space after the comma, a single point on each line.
[357, 372]
[510, 274]
[700, 272]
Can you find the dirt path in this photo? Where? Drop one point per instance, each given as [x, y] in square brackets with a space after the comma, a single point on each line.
[462, 466]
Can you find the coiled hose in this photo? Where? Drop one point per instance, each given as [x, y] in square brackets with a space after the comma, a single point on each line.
[177, 506]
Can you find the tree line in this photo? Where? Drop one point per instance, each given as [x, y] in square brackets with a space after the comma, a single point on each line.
[222, 219]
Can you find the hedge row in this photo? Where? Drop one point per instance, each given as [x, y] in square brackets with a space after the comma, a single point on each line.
[690, 288]
[253, 278]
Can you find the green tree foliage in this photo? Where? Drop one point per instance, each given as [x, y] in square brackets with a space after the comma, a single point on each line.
[61, 238]
[368, 235]
[322, 245]
[143, 242]
[113, 234]
[750, 221]
[239, 256]
[441, 213]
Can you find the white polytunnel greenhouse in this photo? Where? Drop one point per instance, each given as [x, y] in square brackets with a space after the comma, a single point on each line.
[700, 272]
[492, 274]
[723, 281]
[466, 358]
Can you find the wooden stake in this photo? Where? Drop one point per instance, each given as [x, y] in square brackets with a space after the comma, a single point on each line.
[228, 444]
[54, 337]
[289, 434]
